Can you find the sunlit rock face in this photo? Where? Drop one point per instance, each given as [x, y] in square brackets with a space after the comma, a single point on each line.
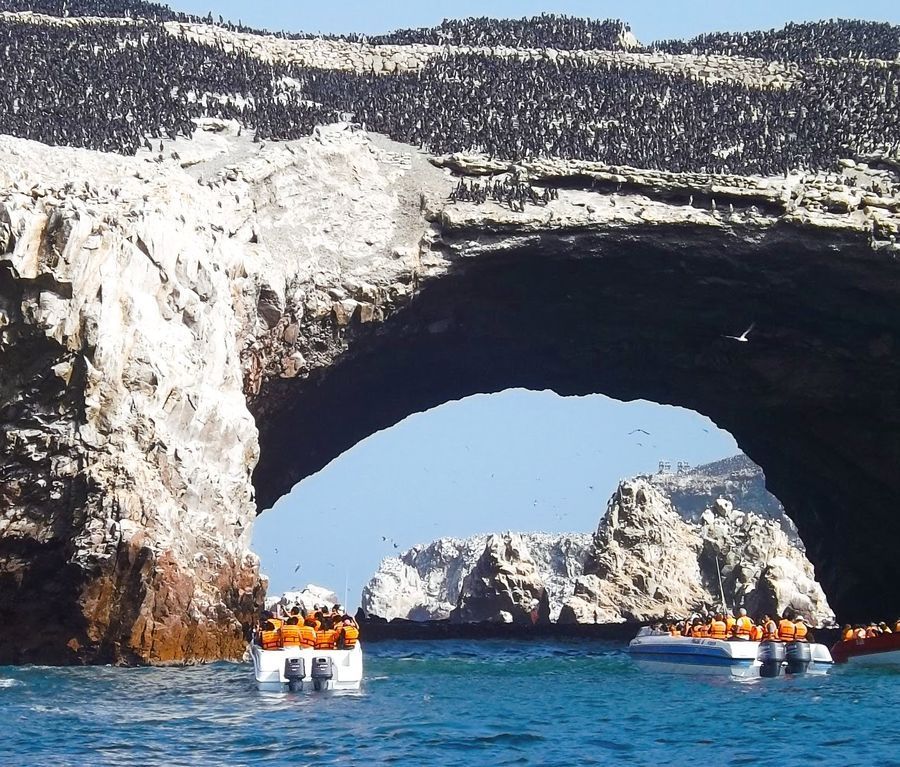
[504, 586]
[182, 341]
[138, 303]
[645, 562]
[648, 563]
[427, 581]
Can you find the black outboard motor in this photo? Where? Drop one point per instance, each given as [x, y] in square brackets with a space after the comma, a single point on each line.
[771, 655]
[294, 671]
[321, 672]
[799, 656]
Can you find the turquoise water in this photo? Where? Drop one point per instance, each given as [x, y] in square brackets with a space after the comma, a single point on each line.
[448, 703]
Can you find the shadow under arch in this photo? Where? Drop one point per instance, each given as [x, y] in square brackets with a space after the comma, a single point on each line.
[813, 398]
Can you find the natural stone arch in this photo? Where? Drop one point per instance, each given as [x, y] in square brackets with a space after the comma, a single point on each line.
[810, 398]
[328, 287]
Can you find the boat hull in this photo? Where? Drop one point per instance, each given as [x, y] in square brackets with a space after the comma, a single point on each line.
[711, 657]
[882, 650]
[270, 666]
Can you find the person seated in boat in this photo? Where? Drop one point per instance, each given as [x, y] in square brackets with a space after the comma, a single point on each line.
[676, 629]
[347, 634]
[860, 631]
[885, 629]
[698, 628]
[770, 628]
[847, 633]
[312, 619]
[872, 631]
[269, 637]
[743, 626]
[290, 632]
[718, 628]
[730, 622]
[897, 626]
[786, 628]
[756, 633]
[801, 630]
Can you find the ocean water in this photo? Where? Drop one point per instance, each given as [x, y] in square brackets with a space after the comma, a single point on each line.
[449, 703]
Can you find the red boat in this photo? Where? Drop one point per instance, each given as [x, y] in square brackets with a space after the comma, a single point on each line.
[875, 651]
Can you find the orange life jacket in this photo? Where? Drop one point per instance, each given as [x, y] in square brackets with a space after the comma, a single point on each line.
[756, 633]
[276, 622]
[717, 630]
[849, 635]
[897, 626]
[786, 630]
[313, 623]
[770, 630]
[290, 635]
[729, 624]
[800, 632]
[349, 635]
[325, 640]
[744, 627]
[307, 636]
[697, 631]
[270, 640]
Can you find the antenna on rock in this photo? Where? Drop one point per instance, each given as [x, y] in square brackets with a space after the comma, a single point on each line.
[721, 587]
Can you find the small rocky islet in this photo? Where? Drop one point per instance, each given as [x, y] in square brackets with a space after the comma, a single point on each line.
[650, 559]
[185, 313]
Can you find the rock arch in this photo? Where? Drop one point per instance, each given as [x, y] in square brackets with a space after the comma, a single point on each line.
[319, 290]
[643, 316]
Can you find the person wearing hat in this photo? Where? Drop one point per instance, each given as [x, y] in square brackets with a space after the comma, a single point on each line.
[801, 630]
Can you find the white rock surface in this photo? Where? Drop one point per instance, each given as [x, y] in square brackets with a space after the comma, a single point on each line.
[649, 563]
[425, 582]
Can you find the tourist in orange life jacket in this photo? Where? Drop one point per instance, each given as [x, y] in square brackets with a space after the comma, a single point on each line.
[872, 631]
[743, 626]
[770, 628]
[847, 633]
[859, 631]
[729, 624]
[786, 628]
[801, 630]
[269, 636]
[897, 626]
[348, 635]
[697, 628]
[756, 633]
[290, 633]
[718, 627]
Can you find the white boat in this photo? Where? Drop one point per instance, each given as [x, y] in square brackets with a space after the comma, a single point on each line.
[303, 668]
[740, 659]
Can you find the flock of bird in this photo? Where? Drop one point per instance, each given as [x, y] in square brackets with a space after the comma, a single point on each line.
[118, 85]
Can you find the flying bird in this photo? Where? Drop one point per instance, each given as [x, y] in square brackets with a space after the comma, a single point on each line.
[641, 431]
[742, 338]
[296, 568]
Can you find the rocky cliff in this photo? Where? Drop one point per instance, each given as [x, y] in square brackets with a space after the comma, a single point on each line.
[736, 479]
[426, 582]
[185, 334]
[140, 305]
[645, 561]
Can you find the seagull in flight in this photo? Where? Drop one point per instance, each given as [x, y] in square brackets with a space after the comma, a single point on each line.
[742, 338]
[637, 431]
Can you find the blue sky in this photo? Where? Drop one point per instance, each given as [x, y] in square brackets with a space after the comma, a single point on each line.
[650, 19]
[517, 460]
